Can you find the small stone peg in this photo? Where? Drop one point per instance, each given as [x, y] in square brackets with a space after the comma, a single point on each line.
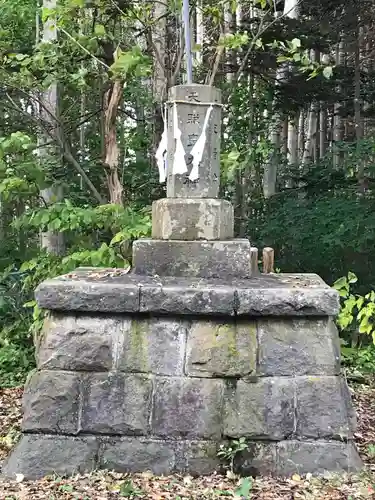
[268, 260]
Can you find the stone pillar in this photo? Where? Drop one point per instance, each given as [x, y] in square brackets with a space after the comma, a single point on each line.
[192, 105]
[192, 230]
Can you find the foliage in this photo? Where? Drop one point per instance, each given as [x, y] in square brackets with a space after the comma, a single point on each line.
[16, 348]
[230, 451]
[357, 311]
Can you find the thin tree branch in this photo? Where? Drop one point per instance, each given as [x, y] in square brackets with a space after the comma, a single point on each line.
[64, 147]
[260, 32]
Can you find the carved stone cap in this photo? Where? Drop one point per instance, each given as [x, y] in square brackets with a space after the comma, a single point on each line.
[111, 291]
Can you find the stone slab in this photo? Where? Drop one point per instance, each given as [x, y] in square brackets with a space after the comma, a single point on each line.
[301, 346]
[265, 295]
[321, 408]
[204, 259]
[262, 410]
[197, 458]
[51, 402]
[221, 349]
[191, 117]
[192, 219]
[116, 404]
[82, 343]
[38, 455]
[187, 408]
[317, 457]
[89, 296]
[153, 345]
[137, 455]
[296, 302]
[187, 298]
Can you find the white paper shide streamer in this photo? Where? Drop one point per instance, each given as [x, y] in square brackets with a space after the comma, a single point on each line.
[161, 152]
[179, 163]
[198, 148]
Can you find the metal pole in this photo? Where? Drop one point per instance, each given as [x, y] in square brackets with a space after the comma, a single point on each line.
[186, 22]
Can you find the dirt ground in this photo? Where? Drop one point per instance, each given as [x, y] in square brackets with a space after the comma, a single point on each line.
[106, 485]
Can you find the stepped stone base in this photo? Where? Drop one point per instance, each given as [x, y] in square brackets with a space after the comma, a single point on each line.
[162, 391]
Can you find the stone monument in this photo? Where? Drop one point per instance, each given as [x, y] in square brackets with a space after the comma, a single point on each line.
[155, 369]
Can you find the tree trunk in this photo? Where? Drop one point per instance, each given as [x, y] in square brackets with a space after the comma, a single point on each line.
[157, 45]
[270, 169]
[337, 120]
[112, 99]
[51, 241]
[322, 130]
[358, 120]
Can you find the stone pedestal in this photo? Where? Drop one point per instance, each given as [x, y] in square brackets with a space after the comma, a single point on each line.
[210, 361]
[156, 369]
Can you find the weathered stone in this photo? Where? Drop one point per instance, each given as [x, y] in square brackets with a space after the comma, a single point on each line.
[316, 457]
[205, 259]
[187, 298]
[321, 301]
[37, 456]
[304, 346]
[191, 117]
[50, 402]
[137, 455]
[321, 408]
[264, 409]
[187, 408]
[82, 343]
[116, 404]
[192, 219]
[154, 345]
[259, 459]
[88, 296]
[266, 295]
[221, 349]
[197, 458]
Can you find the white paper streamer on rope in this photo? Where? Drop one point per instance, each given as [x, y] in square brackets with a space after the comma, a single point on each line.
[179, 163]
[161, 152]
[198, 148]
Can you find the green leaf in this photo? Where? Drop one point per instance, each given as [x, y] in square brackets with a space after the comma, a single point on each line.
[246, 486]
[99, 30]
[327, 72]
[295, 44]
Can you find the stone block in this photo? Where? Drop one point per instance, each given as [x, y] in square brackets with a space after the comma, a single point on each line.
[81, 343]
[116, 404]
[304, 346]
[192, 219]
[187, 408]
[197, 458]
[37, 455]
[190, 121]
[88, 295]
[263, 409]
[137, 455]
[221, 349]
[153, 345]
[321, 408]
[204, 259]
[316, 457]
[184, 296]
[253, 299]
[51, 402]
[259, 459]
